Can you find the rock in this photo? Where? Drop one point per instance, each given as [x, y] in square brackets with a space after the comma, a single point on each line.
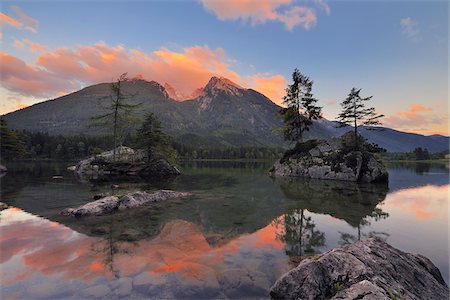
[128, 162]
[97, 291]
[3, 206]
[3, 169]
[369, 269]
[330, 159]
[238, 283]
[111, 204]
[142, 282]
[141, 198]
[99, 207]
[124, 286]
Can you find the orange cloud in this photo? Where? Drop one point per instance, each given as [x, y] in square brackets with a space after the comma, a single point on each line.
[7, 20]
[21, 105]
[261, 11]
[34, 47]
[418, 118]
[272, 86]
[20, 20]
[24, 79]
[64, 70]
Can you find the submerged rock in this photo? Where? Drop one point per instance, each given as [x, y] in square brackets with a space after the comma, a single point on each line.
[110, 204]
[128, 162]
[3, 206]
[331, 159]
[369, 269]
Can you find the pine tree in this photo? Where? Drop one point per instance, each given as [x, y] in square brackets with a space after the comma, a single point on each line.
[153, 139]
[354, 113]
[11, 145]
[300, 108]
[120, 113]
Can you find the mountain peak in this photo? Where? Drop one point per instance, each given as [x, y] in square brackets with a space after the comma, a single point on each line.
[223, 84]
[173, 93]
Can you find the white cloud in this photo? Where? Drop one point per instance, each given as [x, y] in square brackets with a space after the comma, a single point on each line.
[410, 29]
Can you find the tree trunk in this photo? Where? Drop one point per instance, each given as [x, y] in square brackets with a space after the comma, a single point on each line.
[356, 125]
[301, 234]
[116, 111]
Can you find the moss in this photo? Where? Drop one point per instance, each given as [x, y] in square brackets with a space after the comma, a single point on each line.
[394, 296]
[337, 287]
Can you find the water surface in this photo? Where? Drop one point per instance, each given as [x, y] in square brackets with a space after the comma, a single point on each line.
[239, 232]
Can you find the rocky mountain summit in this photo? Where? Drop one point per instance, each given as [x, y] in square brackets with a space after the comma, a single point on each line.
[128, 162]
[369, 269]
[334, 159]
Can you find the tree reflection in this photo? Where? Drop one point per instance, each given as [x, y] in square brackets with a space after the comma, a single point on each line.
[298, 231]
[376, 215]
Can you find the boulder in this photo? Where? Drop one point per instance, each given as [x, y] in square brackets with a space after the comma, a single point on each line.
[369, 269]
[111, 204]
[332, 159]
[128, 162]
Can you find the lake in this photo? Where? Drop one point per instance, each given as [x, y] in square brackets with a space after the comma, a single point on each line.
[239, 232]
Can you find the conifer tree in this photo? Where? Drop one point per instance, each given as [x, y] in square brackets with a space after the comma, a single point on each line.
[153, 139]
[354, 113]
[11, 145]
[300, 108]
[119, 114]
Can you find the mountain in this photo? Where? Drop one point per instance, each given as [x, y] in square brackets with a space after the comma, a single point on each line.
[391, 139]
[221, 113]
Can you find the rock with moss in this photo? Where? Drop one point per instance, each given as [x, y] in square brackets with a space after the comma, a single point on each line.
[110, 204]
[369, 269]
[334, 159]
[128, 162]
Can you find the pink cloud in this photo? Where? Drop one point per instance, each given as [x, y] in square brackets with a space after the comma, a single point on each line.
[262, 11]
[27, 80]
[271, 86]
[7, 20]
[420, 119]
[64, 70]
[20, 20]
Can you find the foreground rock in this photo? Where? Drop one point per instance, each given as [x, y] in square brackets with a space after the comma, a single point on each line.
[111, 204]
[128, 162]
[331, 159]
[369, 269]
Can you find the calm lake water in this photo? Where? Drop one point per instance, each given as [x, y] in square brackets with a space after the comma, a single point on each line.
[239, 232]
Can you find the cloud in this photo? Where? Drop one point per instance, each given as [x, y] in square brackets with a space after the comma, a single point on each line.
[65, 70]
[6, 20]
[27, 21]
[261, 11]
[410, 29]
[271, 86]
[415, 119]
[27, 80]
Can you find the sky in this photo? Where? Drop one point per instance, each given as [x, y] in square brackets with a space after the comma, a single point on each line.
[395, 51]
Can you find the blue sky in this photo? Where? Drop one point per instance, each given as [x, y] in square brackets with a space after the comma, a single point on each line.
[396, 51]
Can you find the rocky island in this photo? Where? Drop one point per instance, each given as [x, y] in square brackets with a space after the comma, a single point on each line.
[110, 204]
[128, 162]
[369, 269]
[335, 159]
